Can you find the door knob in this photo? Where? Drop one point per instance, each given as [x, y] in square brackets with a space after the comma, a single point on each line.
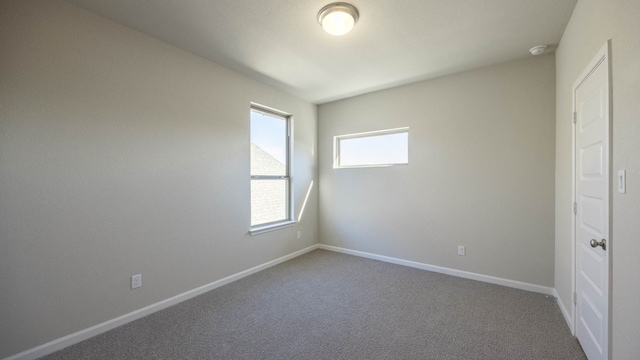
[595, 244]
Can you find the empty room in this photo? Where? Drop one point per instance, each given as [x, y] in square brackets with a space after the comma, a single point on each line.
[415, 179]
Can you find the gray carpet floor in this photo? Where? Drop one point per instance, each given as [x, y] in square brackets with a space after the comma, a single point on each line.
[325, 305]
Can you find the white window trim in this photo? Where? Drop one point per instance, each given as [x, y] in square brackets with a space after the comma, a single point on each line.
[336, 147]
[263, 228]
[290, 220]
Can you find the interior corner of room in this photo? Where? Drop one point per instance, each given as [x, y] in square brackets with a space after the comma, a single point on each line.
[122, 154]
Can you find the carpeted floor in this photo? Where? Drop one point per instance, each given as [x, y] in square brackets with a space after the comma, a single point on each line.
[325, 305]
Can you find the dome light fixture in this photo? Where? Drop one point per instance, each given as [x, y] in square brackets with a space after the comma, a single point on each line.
[338, 18]
[538, 50]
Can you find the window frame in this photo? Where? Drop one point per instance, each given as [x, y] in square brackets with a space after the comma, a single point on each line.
[290, 219]
[338, 138]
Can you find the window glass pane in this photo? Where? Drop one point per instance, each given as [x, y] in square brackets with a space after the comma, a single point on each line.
[382, 149]
[269, 201]
[268, 144]
[270, 178]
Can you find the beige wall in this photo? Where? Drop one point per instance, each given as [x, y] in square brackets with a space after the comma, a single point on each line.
[592, 23]
[120, 154]
[480, 173]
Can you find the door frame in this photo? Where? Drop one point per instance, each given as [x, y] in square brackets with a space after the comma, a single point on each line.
[603, 55]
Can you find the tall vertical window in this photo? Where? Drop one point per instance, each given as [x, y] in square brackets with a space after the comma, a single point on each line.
[270, 169]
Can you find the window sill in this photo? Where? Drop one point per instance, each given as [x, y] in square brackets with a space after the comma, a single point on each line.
[367, 166]
[257, 230]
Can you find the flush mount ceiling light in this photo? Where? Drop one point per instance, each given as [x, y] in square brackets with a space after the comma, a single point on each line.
[338, 18]
[537, 50]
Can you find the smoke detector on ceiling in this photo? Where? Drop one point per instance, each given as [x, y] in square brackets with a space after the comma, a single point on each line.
[537, 50]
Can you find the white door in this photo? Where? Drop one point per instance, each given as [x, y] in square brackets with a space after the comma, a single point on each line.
[592, 247]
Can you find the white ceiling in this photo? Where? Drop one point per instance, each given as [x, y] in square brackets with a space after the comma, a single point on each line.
[395, 42]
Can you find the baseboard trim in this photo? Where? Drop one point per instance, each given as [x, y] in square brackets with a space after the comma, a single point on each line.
[565, 312]
[92, 331]
[444, 270]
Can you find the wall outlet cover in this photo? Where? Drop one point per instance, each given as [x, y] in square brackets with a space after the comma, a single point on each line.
[136, 281]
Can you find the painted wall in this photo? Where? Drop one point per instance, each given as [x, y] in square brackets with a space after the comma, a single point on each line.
[592, 23]
[480, 173]
[119, 155]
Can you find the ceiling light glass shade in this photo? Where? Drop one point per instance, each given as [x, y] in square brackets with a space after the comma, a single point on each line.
[338, 18]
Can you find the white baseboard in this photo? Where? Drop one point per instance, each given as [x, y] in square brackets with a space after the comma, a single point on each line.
[565, 312]
[87, 333]
[439, 269]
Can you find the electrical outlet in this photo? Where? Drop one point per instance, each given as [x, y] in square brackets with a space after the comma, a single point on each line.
[299, 235]
[461, 251]
[136, 281]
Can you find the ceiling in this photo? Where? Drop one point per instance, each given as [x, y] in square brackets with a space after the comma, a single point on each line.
[280, 42]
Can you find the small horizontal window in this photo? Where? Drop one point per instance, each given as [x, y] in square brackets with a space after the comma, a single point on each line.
[370, 149]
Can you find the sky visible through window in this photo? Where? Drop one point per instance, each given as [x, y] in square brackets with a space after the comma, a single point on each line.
[371, 150]
[270, 134]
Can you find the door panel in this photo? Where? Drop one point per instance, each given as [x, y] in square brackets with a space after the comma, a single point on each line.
[591, 158]
[592, 268]
[591, 107]
[591, 210]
